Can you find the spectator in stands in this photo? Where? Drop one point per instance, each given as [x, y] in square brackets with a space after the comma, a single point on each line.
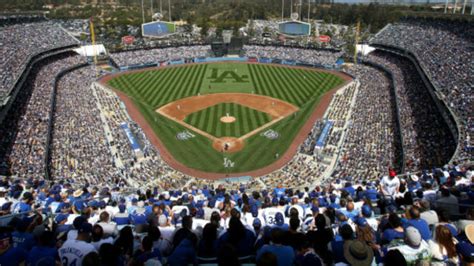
[73, 251]
[10, 255]
[415, 221]
[443, 247]
[414, 248]
[285, 254]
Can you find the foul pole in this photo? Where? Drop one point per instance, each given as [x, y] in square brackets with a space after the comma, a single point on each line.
[356, 40]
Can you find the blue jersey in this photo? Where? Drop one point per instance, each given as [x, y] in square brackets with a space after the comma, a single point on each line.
[23, 240]
[13, 256]
[42, 256]
[279, 192]
[138, 218]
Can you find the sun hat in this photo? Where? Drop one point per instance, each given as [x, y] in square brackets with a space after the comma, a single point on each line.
[358, 253]
[469, 230]
[77, 193]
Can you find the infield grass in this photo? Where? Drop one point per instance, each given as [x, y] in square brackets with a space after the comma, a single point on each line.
[246, 120]
[154, 88]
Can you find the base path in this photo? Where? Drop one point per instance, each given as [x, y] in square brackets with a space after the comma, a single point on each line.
[318, 113]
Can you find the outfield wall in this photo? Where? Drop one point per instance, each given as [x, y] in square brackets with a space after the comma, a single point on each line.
[264, 60]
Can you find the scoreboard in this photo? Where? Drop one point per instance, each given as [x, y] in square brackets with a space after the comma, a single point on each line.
[294, 28]
[158, 29]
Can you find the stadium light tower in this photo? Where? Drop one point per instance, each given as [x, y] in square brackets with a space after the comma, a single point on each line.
[151, 7]
[282, 9]
[309, 9]
[169, 9]
[143, 14]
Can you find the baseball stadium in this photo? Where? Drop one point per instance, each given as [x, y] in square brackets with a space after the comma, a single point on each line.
[216, 117]
[245, 132]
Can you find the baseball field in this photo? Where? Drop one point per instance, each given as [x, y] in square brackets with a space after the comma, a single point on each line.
[225, 118]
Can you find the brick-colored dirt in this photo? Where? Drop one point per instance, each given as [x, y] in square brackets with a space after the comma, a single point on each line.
[290, 152]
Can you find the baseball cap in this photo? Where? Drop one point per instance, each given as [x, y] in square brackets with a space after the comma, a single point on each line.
[122, 208]
[254, 210]
[366, 210]
[279, 219]
[61, 217]
[78, 221]
[361, 221]
[86, 228]
[257, 222]
[412, 236]
[275, 201]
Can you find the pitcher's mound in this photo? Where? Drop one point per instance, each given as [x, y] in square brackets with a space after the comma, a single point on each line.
[228, 144]
[227, 119]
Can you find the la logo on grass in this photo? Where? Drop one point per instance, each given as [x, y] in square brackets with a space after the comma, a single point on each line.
[227, 75]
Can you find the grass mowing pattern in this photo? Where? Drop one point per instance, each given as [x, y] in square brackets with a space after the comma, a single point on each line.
[246, 120]
[154, 88]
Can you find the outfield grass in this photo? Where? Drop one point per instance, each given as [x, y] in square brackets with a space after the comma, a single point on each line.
[246, 120]
[154, 88]
[233, 78]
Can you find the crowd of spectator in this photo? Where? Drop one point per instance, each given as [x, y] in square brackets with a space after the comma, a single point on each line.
[427, 141]
[320, 57]
[395, 220]
[25, 129]
[15, 51]
[372, 140]
[444, 50]
[135, 57]
[79, 148]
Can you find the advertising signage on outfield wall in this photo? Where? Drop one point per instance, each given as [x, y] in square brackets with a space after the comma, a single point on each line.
[294, 28]
[158, 29]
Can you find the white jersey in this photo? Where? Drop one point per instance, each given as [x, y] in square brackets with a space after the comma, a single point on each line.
[178, 208]
[167, 232]
[390, 185]
[270, 214]
[373, 223]
[249, 219]
[73, 252]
